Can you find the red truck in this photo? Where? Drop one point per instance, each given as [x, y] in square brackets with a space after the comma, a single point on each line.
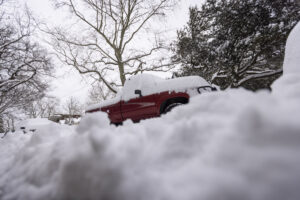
[145, 96]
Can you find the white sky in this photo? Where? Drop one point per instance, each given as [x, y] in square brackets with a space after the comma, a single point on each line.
[69, 82]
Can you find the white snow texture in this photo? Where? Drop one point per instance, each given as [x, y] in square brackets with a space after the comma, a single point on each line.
[230, 145]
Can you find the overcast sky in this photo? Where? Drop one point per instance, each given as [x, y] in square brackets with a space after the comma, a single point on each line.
[69, 82]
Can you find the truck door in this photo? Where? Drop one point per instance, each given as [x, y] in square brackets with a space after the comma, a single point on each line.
[139, 108]
[114, 112]
[138, 100]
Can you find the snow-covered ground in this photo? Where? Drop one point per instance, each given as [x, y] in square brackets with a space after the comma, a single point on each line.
[224, 145]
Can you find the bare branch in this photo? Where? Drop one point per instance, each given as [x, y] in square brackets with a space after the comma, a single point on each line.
[109, 29]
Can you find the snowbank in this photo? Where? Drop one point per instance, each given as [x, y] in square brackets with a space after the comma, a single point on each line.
[34, 123]
[289, 85]
[224, 145]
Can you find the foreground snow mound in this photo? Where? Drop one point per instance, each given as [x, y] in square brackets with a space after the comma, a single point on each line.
[289, 85]
[225, 145]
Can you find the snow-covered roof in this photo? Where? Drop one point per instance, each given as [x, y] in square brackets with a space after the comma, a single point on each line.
[33, 123]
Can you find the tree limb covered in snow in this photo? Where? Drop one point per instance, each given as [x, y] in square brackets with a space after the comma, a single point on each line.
[228, 41]
[259, 75]
[23, 64]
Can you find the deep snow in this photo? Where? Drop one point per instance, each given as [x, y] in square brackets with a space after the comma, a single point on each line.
[224, 145]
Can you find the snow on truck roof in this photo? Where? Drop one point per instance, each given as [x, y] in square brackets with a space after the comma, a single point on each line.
[150, 84]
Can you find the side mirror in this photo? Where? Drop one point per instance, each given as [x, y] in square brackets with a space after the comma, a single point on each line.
[139, 92]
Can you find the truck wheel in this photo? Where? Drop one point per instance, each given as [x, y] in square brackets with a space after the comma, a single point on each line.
[171, 106]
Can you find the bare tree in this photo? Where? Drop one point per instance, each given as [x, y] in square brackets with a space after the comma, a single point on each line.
[44, 108]
[73, 107]
[98, 93]
[109, 41]
[23, 64]
[52, 105]
[7, 124]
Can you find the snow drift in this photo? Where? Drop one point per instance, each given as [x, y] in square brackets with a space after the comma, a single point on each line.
[224, 145]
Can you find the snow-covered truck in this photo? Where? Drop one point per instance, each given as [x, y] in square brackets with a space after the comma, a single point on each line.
[145, 96]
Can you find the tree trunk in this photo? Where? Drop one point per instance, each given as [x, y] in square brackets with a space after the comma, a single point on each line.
[1, 125]
[122, 73]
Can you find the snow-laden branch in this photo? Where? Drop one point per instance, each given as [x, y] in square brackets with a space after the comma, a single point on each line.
[259, 75]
